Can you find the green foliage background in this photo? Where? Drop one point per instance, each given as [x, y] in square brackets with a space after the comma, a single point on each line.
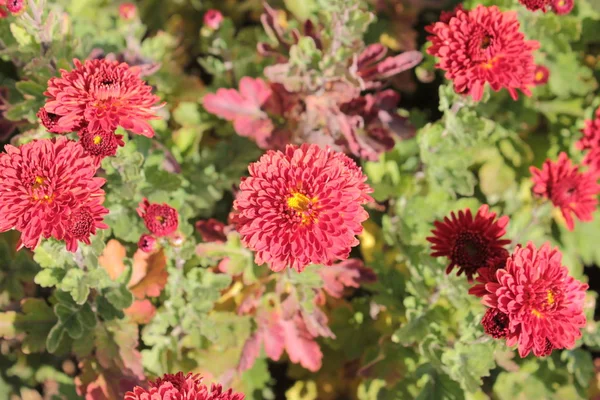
[415, 333]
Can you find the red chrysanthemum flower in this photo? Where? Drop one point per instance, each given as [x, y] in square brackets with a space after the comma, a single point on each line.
[127, 11]
[482, 46]
[495, 323]
[302, 206]
[488, 273]
[101, 143]
[543, 303]
[160, 219]
[534, 5]
[562, 7]
[49, 120]
[49, 190]
[470, 242]
[541, 76]
[591, 133]
[592, 161]
[181, 387]
[101, 95]
[147, 243]
[572, 191]
[211, 230]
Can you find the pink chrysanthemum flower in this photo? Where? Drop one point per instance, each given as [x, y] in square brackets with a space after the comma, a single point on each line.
[495, 323]
[470, 242]
[127, 11]
[100, 143]
[535, 5]
[147, 243]
[101, 95]
[574, 192]
[160, 219]
[49, 120]
[49, 190]
[591, 133]
[543, 303]
[14, 6]
[213, 19]
[562, 7]
[302, 206]
[482, 46]
[542, 74]
[181, 387]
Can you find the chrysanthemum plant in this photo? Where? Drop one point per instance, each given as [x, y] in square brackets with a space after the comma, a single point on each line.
[321, 199]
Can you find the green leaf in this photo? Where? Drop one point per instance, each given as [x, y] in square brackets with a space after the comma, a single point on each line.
[468, 363]
[119, 296]
[30, 88]
[75, 282]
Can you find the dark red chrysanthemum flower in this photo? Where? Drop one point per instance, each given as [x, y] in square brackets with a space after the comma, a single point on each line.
[147, 243]
[542, 74]
[562, 7]
[495, 323]
[211, 230]
[302, 206]
[49, 120]
[543, 303]
[572, 191]
[181, 387]
[535, 5]
[100, 144]
[160, 219]
[488, 273]
[14, 6]
[482, 46]
[49, 190]
[470, 242]
[591, 133]
[101, 95]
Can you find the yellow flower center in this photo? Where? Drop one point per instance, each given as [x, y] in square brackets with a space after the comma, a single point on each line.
[303, 206]
[550, 297]
[539, 76]
[97, 139]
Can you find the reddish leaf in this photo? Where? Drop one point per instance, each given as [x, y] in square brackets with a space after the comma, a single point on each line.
[141, 311]
[349, 273]
[250, 352]
[300, 345]
[112, 258]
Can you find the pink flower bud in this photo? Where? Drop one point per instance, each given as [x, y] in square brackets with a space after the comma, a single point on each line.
[213, 19]
[127, 11]
[147, 243]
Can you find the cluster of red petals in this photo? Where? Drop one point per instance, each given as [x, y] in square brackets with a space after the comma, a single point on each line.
[49, 190]
[482, 46]
[127, 11]
[470, 241]
[562, 7]
[535, 5]
[12, 6]
[302, 206]
[101, 95]
[591, 133]
[100, 143]
[573, 191]
[181, 387]
[543, 304]
[160, 219]
[488, 273]
[495, 323]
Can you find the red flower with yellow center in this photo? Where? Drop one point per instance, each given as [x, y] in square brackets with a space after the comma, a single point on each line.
[302, 206]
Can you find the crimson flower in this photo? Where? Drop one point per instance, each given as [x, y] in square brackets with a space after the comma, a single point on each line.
[49, 121]
[100, 143]
[49, 190]
[591, 133]
[160, 219]
[181, 387]
[14, 6]
[541, 76]
[301, 206]
[562, 7]
[495, 323]
[574, 192]
[211, 230]
[127, 11]
[482, 46]
[592, 161]
[535, 5]
[488, 273]
[101, 95]
[470, 242]
[543, 303]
